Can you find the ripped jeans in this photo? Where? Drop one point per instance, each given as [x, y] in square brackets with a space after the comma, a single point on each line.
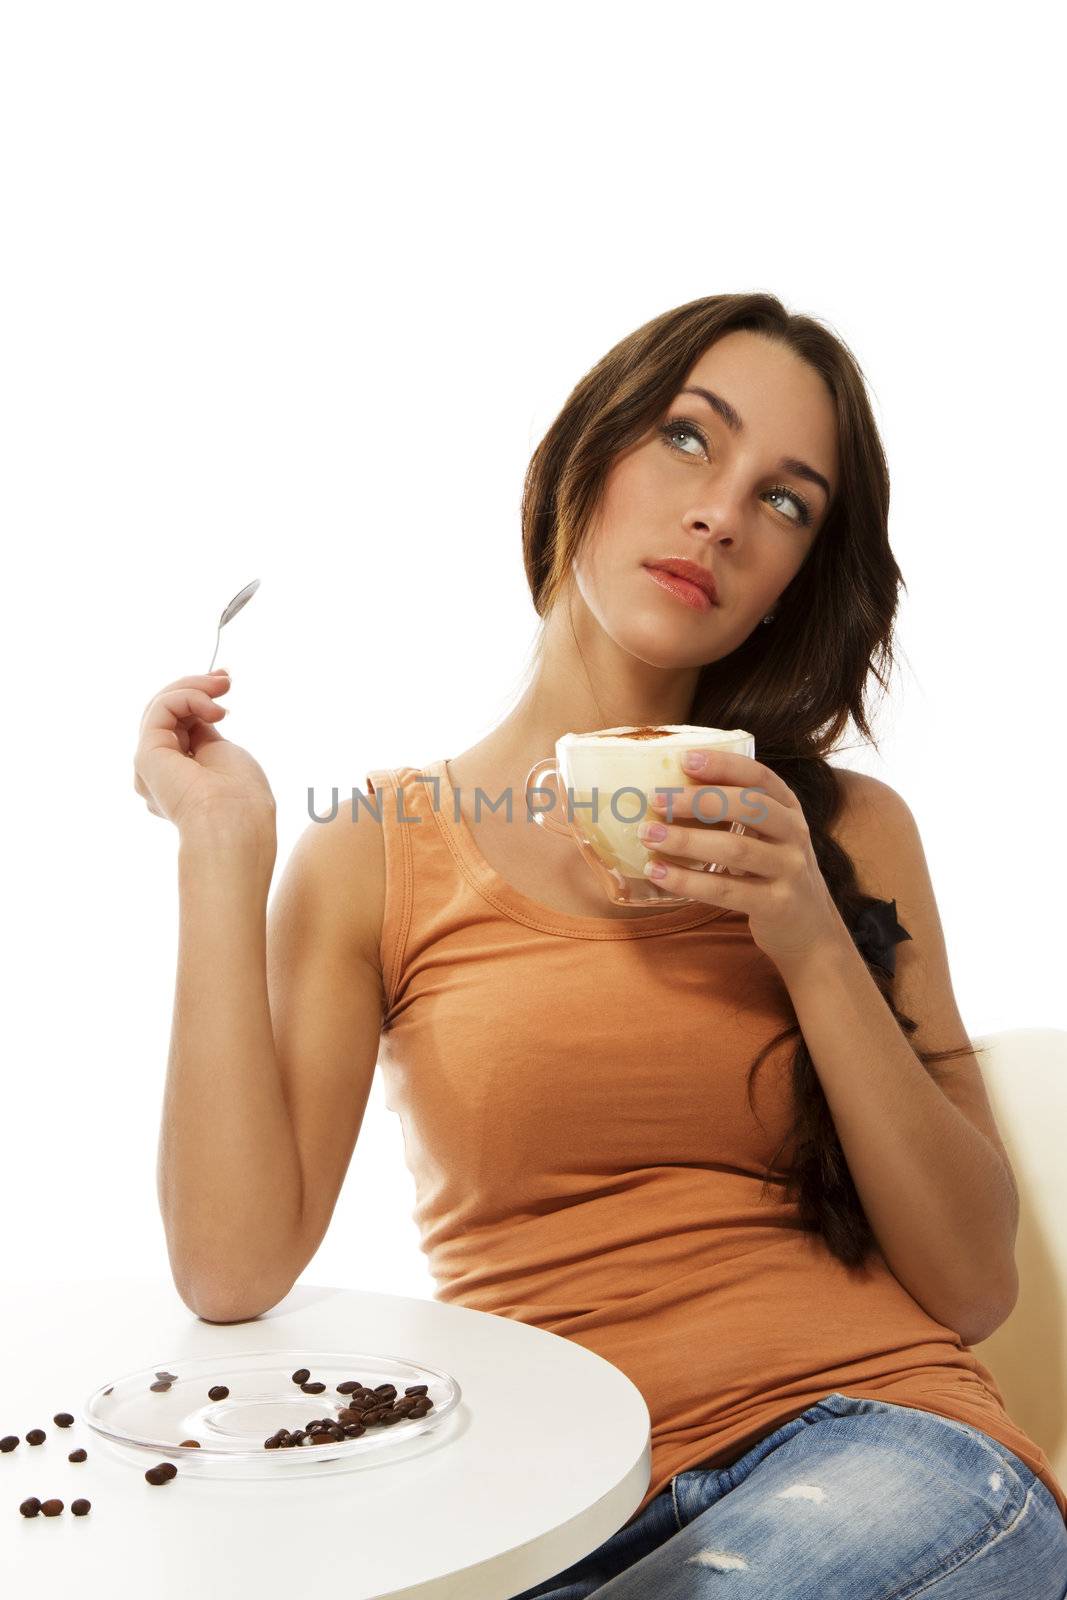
[852, 1500]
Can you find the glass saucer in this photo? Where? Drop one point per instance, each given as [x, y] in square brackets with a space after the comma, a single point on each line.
[146, 1426]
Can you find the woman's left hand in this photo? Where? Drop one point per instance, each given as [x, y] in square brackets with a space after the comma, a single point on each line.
[781, 889]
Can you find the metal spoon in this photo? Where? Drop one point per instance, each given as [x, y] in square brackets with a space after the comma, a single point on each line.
[231, 611]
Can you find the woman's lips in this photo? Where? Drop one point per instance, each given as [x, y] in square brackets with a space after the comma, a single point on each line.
[689, 594]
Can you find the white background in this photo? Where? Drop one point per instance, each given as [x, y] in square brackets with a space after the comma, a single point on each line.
[293, 291]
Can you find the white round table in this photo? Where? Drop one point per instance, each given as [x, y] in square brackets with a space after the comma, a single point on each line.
[546, 1456]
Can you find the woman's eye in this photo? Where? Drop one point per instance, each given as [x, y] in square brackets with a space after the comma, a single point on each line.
[670, 430]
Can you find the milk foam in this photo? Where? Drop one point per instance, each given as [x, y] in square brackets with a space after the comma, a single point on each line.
[664, 736]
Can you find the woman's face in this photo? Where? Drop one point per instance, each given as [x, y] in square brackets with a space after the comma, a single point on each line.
[720, 498]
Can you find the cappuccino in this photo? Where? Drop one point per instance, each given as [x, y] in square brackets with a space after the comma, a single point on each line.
[606, 781]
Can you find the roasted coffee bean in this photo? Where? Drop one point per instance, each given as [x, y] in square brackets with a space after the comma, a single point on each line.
[162, 1473]
[80, 1508]
[62, 1419]
[270, 1444]
[417, 1388]
[313, 1388]
[30, 1507]
[173, 1376]
[9, 1441]
[347, 1387]
[161, 1385]
[51, 1508]
[218, 1392]
[77, 1455]
[354, 1429]
[153, 1475]
[35, 1436]
[386, 1390]
[191, 1444]
[302, 1374]
[169, 1468]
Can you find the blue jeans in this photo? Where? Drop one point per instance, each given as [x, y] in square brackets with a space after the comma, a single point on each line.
[852, 1500]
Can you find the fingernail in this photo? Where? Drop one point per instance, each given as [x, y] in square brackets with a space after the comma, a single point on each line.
[693, 761]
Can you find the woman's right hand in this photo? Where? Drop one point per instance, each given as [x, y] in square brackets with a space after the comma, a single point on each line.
[184, 768]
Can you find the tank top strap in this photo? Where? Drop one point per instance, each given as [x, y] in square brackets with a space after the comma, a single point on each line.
[382, 787]
[420, 871]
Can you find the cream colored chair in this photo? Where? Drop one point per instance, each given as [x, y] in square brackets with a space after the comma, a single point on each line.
[1025, 1072]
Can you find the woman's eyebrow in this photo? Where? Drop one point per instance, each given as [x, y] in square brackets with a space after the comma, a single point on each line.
[734, 423]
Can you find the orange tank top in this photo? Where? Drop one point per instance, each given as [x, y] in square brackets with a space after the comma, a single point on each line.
[572, 1094]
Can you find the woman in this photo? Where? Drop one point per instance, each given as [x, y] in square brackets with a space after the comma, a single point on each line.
[709, 1142]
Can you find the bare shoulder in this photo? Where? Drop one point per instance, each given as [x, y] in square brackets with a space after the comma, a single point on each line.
[875, 825]
[864, 798]
[876, 828]
[346, 856]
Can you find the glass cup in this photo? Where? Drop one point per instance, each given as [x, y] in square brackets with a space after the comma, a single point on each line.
[602, 784]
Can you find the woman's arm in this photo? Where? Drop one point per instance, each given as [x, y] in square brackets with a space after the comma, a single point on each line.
[926, 1158]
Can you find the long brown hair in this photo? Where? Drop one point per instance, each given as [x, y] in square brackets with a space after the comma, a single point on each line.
[793, 685]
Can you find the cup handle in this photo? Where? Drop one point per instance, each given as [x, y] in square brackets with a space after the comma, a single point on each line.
[535, 779]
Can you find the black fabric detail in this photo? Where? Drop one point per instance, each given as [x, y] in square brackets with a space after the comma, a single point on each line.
[876, 932]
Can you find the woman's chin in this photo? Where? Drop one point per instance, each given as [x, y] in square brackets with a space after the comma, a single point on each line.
[658, 646]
